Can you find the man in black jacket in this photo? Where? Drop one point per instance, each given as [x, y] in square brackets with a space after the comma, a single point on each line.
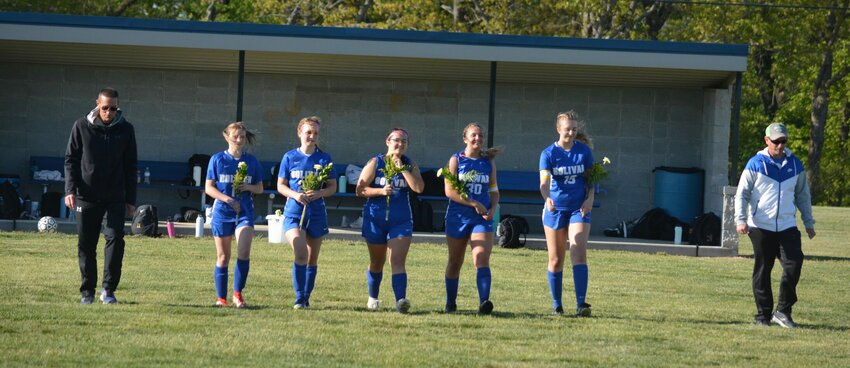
[100, 178]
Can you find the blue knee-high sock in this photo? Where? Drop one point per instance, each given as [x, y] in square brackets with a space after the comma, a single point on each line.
[451, 291]
[580, 280]
[299, 274]
[311, 281]
[373, 280]
[483, 279]
[556, 286]
[400, 286]
[240, 274]
[220, 277]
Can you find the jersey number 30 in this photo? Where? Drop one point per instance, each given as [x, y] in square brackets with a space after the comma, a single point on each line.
[474, 188]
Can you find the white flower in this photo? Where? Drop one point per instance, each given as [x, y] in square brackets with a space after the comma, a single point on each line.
[606, 161]
[440, 172]
[317, 167]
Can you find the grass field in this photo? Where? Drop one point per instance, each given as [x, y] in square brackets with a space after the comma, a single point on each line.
[649, 310]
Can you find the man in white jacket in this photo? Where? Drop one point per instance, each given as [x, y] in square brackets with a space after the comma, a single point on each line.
[772, 188]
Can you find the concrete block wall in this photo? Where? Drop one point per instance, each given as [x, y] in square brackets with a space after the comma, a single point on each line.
[178, 113]
[716, 130]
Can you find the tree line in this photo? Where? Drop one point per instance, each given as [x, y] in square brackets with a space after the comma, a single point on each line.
[797, 68]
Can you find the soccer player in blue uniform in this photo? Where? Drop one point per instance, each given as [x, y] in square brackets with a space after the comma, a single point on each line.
[233, 213]
[568, 196]
[470, 220]
[307, 241]
[389, 229]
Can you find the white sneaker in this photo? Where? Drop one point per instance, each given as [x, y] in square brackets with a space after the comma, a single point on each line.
[108, 297]
[402, 305]
[373, 304]
[345, 221]
[299, 306]
[356, 223]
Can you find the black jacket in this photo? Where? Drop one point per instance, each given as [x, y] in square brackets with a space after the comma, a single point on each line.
[100, 162]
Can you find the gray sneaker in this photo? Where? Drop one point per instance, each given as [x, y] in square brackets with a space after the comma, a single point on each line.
[402, 305]
[108, 297]
[87, 299]
[583, 310]
[783, 320]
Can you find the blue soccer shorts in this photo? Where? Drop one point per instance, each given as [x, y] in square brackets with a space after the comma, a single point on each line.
[377, 230]
[560, 219]
[315, 226]
[461, 228]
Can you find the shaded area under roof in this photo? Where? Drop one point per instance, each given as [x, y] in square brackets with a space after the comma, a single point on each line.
[351, 52]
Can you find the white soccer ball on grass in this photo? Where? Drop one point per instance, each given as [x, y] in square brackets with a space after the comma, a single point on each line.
[47, 224]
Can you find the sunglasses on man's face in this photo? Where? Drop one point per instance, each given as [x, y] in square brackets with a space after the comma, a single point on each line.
[779, 141]
[110, 108]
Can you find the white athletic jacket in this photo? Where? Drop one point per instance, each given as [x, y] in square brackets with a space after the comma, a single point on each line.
[769, 194]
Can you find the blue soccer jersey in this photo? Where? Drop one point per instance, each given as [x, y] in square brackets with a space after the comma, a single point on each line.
[294, 166]
[566, 169]
[478, 189]
[221, 170]
[399, 200]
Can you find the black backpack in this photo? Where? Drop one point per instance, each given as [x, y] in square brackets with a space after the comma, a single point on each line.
[706, 230]
[10, 202]
[423, 214]
[509, 231]
[199, 159]
[145, 221]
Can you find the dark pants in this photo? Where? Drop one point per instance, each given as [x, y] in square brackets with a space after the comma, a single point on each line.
[90, 219]
[767, 245]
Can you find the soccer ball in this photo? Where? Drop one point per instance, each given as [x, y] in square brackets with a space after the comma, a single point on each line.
[47, 224]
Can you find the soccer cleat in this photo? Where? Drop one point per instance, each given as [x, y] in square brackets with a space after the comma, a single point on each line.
[783, 320]
[238, 301]
[559, 311]
[761, 322]
[451, 308]
[583, 310]
[221, 302]
[486, 307]
[87, 299]
[403, 305]
[373, 304]
[108, 297]
[299, 306]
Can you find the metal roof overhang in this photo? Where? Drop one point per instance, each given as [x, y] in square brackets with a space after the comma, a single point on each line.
[165, 44]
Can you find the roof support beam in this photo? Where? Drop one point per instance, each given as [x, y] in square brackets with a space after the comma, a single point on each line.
[734, 141]
[491, 119]
[241, 87]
